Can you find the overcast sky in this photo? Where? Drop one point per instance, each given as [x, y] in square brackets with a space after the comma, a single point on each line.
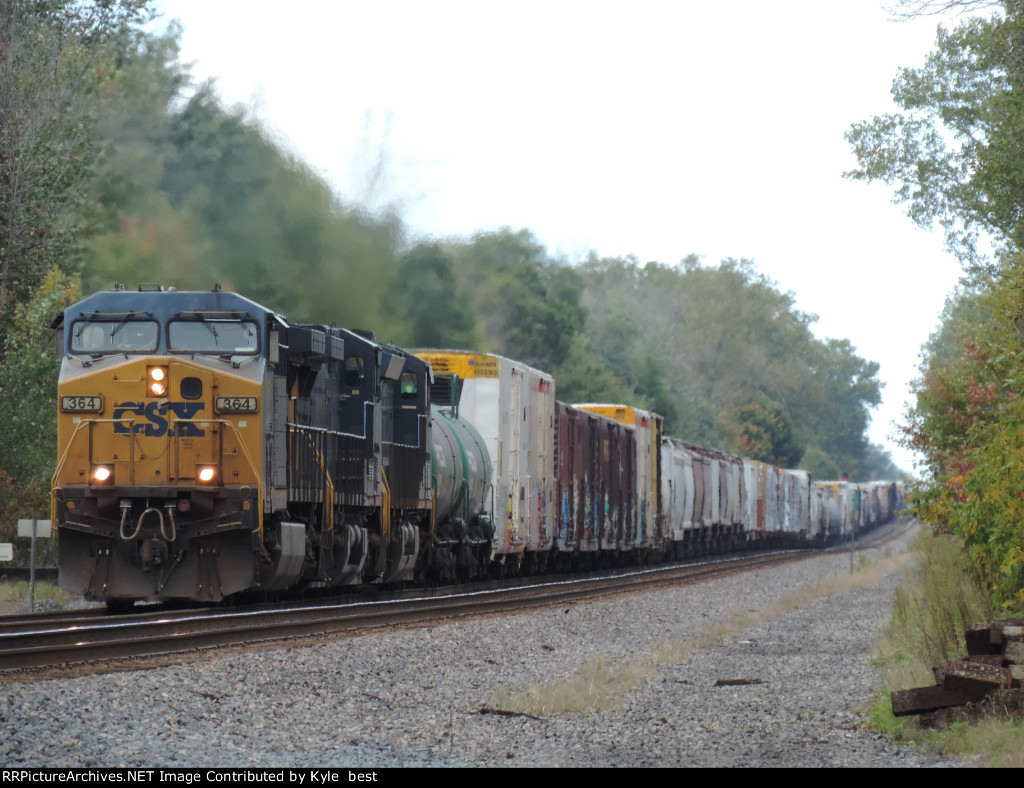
[655, 129]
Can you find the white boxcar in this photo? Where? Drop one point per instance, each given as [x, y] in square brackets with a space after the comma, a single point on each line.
[833, 503]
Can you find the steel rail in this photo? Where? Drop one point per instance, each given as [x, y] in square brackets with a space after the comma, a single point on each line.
[85, 638]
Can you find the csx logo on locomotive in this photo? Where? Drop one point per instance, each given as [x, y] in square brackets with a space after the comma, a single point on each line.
[155, 414]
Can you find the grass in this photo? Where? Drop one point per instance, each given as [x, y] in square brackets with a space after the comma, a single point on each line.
[939, 596]
[600, 684]
[13, 592]
[603, 683]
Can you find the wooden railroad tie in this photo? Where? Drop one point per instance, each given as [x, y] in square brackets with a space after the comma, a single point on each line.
[993, 672]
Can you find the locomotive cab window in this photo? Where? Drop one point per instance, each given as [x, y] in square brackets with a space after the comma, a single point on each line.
[114, 336]
[223, 337]
[355, 371]
[409, 386]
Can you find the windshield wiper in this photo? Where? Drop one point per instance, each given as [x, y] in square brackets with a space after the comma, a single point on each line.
[121, 324]
[209, 325]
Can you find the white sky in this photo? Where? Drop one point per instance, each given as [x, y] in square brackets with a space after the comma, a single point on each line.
[656, 129]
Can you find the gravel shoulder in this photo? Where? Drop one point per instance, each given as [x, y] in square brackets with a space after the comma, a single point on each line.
[412, 697]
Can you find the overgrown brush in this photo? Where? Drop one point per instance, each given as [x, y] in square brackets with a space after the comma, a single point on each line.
[940, 597]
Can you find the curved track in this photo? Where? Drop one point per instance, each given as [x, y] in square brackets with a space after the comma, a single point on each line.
[75, 637]
[69, 637]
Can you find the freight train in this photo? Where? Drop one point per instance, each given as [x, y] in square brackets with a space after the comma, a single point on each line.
[208, 447]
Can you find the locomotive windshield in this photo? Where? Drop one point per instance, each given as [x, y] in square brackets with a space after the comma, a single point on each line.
[234, 337]
[114, 336]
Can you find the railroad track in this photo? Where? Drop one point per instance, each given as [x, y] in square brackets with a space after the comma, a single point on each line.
[71, 637]
[83, 636]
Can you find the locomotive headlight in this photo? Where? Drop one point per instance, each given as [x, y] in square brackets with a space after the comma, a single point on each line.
[102, 474]
[206, 474]
[156, 381]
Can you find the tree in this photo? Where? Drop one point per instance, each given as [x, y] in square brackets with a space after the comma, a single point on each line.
[53, 55]
[953, 154]
[700, 343]
[196, 194]
[767, 435]
[528, 306]
[426, 297]
[28, 386]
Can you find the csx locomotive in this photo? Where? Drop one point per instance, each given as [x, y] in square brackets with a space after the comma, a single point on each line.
[208, 447]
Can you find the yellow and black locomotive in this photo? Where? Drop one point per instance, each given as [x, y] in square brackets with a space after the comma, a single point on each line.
[208, 447]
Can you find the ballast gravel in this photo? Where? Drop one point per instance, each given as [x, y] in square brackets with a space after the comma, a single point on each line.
[793, 690]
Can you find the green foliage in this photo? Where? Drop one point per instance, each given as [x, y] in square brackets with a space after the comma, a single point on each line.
[968, 422]
[582, 377]
[28, 391]
[704, 342]
[528, 305]
[18, 500]
[940, 597]
[426, 296]
[953, 155]
[202, 195]
[983, 506]
[767, 435]
[54, 56]
[953, 152]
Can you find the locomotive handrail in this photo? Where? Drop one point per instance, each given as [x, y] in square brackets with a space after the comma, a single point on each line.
[433, 509]
[385, 515]
[220, 462]
[328, 482]
[248, 459]
[64, 457]
[419, 436]
[131, 459]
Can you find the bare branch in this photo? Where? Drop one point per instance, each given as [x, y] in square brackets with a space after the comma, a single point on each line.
[905, 10]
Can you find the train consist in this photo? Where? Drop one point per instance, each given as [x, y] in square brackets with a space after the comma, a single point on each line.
[208, 447]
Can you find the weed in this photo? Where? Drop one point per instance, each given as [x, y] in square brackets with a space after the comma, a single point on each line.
[13, 591]
[939, 597]
[599, 685]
